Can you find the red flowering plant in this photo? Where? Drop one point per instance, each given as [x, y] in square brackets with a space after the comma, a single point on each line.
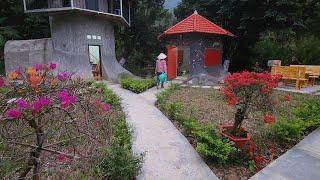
[249, 91]
[48, 121]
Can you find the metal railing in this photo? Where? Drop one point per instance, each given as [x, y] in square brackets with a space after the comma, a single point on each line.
[118, 8]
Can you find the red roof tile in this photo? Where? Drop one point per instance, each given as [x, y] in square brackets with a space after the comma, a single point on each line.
[196, 23]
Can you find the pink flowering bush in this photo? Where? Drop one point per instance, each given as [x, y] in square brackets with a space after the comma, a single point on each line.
[48, 121]
[250, 91]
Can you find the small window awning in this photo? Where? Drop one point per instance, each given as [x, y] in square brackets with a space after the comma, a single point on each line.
[196, 23]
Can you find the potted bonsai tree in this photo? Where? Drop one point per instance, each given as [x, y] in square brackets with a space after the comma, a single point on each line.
[248, 91]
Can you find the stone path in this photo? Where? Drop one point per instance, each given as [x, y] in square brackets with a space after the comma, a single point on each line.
[169, 155]
[301, 162]
[308, 90]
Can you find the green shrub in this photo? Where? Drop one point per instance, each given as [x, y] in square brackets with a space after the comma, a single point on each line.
[209, 145]
[109, 96]
[289, 131]
[137, 85]
[118, 162]
[162, 95]
[305, 119]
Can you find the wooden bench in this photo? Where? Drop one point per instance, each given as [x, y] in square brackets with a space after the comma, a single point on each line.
[291, 74]
[312, 72]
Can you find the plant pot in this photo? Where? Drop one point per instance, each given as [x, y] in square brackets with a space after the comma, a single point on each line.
[240, 142]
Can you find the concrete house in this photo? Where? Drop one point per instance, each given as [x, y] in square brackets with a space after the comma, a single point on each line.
[195, 48]
[82, 37]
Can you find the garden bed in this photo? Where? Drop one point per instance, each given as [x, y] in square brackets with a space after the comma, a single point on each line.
[194, 111]
[137, 85]
[62, 128]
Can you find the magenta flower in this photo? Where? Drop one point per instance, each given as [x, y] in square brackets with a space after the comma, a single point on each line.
[36, 107]
[52, 66]
[18, 71]
[38, 67]
[13, 113]
[105, 107]
[65, 99]
[63, 76]
[22, 104]
[2, 82]
[40, 103]
[44, 101]
[61, 157]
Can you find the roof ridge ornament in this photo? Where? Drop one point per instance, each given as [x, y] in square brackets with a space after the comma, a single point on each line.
[195, 12]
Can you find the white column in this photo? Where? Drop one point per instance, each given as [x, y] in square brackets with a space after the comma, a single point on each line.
[121, 8]
[24, 5]
[71, 2]
[129, 12]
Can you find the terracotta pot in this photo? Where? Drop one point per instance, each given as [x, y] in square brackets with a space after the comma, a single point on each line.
[240, 142]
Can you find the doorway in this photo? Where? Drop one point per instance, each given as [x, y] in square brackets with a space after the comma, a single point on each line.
[183, 60]
[95, 61]
[178, 61]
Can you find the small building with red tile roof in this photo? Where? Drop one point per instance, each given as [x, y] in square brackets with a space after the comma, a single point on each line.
[195, 48]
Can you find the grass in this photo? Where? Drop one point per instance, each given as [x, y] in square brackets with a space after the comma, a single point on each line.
[209, 107]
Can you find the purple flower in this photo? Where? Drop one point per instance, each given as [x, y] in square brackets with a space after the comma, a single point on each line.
[38, 67]
[44, 101]
[22, 104]
[52, 66]
[105, 107]
[65, 99]
[2, 82]
[63, 76]
[40, 103]
[18, 71]
[13, 113]
[61, 157]
[72, 99]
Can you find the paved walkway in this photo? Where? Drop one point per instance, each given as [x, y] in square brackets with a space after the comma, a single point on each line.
[301, 162]
[307, 90]
[169, 155]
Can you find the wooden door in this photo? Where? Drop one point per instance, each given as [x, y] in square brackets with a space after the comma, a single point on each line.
[172, 61]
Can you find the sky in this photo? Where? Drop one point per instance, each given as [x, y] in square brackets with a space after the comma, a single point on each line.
[170, 4]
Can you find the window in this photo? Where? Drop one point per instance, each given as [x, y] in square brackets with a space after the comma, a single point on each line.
[212, 57]
[92, 5]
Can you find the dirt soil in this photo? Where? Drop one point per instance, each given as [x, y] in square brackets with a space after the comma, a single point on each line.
[208, 105]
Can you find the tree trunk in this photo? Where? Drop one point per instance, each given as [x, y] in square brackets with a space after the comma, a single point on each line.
[239, 116]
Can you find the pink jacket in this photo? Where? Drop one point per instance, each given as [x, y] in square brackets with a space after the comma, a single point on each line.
[161, 66]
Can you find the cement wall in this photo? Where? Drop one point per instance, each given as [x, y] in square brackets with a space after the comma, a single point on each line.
[68, 47]
[198, 43]
[21, 54]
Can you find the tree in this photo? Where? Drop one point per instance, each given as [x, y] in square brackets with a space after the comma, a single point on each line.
[6, 33]
[249, 18]
[138, 44]
[15, 24]
[249, 91]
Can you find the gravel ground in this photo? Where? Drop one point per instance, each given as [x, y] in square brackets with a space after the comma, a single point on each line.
[209, 106]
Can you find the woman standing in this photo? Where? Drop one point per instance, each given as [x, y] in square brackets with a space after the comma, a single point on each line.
[161, 67]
